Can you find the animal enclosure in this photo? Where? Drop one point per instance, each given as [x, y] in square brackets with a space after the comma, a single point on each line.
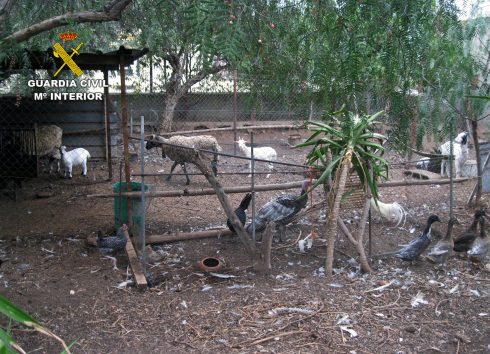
[54, 252]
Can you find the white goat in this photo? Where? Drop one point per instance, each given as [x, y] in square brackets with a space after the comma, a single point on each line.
[262, 153]
[75, 157]
[460, 153]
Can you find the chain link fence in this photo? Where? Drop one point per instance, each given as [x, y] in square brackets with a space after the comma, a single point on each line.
[218, 104]
[32, 130]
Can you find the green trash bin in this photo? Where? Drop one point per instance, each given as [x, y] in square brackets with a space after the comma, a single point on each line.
[120, 204]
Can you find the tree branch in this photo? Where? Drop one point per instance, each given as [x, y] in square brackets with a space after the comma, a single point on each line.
[111, 12]
[201, 75]
[5, 7]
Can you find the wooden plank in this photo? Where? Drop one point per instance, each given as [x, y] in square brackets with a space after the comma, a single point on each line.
[422, 174]
[96, 152]
[57, 106]
[135, 264]
[246, 128]
[81, 140]
[182, 236]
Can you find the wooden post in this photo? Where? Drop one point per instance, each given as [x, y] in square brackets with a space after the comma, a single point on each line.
[124, 127]
[108, 149]
[265, 249]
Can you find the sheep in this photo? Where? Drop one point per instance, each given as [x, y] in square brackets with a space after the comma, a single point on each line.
[181, 156]
[262, 153]
[73, 158]
[460, 153]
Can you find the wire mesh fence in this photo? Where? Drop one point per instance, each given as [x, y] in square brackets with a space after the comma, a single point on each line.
[219, 105]
[32, 131]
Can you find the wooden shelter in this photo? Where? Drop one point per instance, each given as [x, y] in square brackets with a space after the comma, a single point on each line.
[45, 60]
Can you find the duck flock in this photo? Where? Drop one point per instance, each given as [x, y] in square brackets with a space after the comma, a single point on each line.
[473, 241]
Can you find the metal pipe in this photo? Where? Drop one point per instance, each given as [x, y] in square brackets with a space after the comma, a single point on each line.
[252, 163]
[451, 159]
[131, 130]
[143, 205]
[221, 173]
[234, 110]
[262, 188]
[120, 192]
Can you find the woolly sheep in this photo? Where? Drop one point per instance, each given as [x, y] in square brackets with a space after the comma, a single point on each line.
[75, 157]
[181, 156]
[460, 153]
[48, 143]
[262, 153]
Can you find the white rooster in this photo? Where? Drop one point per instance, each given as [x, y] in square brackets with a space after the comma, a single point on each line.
[392, 212]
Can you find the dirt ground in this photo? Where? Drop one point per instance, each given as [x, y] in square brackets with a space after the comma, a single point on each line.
[49, 271]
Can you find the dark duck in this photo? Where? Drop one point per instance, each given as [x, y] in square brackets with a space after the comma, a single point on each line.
[240, 212]
[464, 241]
[112, 244]
[441, 250]
[414, 249]
[480, 246]
[280, 210]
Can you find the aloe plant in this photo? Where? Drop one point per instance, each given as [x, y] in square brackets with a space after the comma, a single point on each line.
[14, 313]
[351, 143]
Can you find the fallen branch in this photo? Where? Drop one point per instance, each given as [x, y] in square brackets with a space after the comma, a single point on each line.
[187, 236]
[270, 338]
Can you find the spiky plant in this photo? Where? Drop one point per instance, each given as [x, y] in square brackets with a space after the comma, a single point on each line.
[351, 142]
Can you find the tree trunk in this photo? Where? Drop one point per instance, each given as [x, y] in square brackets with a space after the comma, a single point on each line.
[341, 180]
[166, 120]
[359, 242]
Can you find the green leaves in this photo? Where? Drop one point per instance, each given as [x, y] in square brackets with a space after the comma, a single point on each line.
[15, 313]
[347, 134]
[7, 343]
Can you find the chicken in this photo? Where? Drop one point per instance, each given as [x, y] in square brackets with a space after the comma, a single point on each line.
[280, 210]
[240, 211]
[112, 244]
[442, 249]
[464, 241]
[480, 246]
[414, 249]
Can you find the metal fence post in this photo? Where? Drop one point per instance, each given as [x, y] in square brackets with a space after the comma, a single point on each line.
[143, 206]
[252, 163]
